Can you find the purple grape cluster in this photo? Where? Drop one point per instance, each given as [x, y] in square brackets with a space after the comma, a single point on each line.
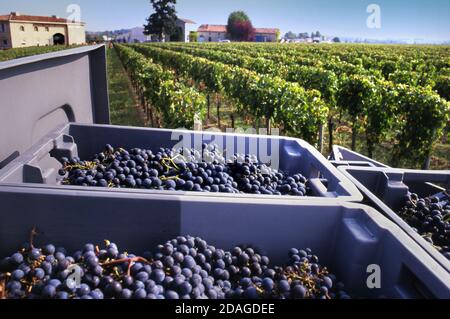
[181, 170]
[182, 268]
[430, 217]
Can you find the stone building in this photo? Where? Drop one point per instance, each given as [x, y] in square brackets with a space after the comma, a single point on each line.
[17, 31]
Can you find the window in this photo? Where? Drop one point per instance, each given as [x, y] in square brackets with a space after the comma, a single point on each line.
[22, 28]
[2, 27]
[5, 42]
[36, 29]
[47, 29]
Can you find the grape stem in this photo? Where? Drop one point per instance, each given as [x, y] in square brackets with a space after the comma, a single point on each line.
[130, 262]
[33, 233]
[2, 288]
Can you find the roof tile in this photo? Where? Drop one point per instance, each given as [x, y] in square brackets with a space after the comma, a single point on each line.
[223, 28]
[31, 18]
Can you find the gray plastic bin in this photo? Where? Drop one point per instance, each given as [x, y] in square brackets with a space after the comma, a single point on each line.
[40, 165]
[347, 237]
[48, 119]
[386, 188]
[341, 156]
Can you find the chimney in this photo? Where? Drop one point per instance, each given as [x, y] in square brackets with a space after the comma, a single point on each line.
[15, 14]
[55, 16]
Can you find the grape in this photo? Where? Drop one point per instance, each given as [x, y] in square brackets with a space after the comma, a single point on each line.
[430, 217]
[54, 282]
[171, 295]
[268, 284]
[182, 268]
[165, 169]
[250, 293]
[113, 289]
[62, 295]
[34, 254]
[17, 275]
[96, 294]
[39, 273]
[83, 290]
[158, 275]
[16, 259]
[299, 292]
[126, 294]
[140, 294]
[189, 262]
[284, 286]
[49, 291]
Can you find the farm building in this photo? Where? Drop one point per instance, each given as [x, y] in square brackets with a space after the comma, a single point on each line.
[217, 33]
[185, 26]
[18, 30]
[134, 35]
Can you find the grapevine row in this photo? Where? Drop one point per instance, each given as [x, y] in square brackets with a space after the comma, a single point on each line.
[177, 104]
[297, 111]
[376, 106]
[6, 55]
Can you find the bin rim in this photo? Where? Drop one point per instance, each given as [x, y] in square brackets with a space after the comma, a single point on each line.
[350, 191]
[419, 175]
[42, 91]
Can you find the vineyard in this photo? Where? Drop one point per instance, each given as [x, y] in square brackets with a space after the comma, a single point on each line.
[192, 219]
[6, 55]
[389, 102]
[380, 95]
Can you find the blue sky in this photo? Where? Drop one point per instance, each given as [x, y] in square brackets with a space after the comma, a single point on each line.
[418, 19]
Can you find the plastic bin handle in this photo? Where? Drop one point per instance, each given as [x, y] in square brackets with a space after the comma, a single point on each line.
[427, 176]
[335, 186]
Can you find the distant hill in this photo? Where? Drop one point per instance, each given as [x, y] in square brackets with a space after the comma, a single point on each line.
[128, 35]
[109, 33]
[392, 41]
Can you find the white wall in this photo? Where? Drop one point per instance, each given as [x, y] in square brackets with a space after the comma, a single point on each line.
[43, 35]
[77, 34]
[215, 36]
[30, 37]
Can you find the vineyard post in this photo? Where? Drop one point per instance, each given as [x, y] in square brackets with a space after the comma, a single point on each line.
[321, 129]
[150, 114]
[143, 104]
[427, 163]
[218, 110]
[208, 99]
[354, 137]
[330, 133]
[268, 125]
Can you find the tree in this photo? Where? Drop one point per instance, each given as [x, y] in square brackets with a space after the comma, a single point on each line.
[240, 27]
[336, 40]
[177, 35]
[237, 16]
[290, 35]
[163, 21]
[193, 36]
[303, 35]
[94, 37]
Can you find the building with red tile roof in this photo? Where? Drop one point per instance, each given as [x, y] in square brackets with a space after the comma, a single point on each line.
[217, 33]
[23, 30]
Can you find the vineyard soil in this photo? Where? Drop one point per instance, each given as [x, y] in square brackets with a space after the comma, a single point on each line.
[124, 106]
